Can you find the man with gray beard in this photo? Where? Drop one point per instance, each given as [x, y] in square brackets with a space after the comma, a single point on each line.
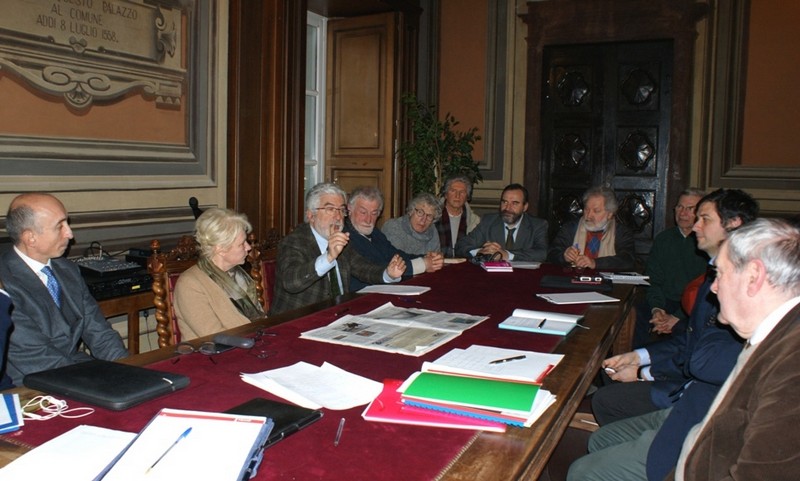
[596, 240]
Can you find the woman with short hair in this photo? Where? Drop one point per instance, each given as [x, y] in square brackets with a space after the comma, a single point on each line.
[414, 232]
[217, 293]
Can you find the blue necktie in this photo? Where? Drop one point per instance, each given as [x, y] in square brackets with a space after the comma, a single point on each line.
[52, 285]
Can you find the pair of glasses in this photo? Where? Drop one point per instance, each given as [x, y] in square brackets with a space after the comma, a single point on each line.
[207, 348]
[260, 347]
[422, 214]
[331, 210]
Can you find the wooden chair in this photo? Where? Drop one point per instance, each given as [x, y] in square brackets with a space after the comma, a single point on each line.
[165, 268]
[262, 259]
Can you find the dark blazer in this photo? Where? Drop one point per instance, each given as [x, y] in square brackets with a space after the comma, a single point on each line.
[296, 281]
[668, 357]
[5, 328]
[378, 249]
[624, 259]
[44, 336]
[530, 243]
[753, 433]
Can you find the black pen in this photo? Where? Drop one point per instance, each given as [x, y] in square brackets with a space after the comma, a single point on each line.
[508, 359]
[541, 324]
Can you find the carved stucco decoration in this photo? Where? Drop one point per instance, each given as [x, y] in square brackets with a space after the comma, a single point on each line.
[93, 71]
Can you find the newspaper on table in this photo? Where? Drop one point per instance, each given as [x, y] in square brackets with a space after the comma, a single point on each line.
[408, 331]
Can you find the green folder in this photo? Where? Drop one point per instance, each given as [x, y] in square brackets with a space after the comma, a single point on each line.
[482, 393]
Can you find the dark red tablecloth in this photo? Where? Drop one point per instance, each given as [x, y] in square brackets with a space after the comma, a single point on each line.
[367, 450]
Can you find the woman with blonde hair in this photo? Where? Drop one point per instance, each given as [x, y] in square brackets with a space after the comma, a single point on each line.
[217, 293]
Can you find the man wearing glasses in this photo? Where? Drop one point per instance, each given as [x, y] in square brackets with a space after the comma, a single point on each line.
[314, 263]
[674, 261]
[510, 234]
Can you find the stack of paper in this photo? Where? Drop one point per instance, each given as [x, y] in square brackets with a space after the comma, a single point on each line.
[496, 363]
[493, 384]
[577, 298]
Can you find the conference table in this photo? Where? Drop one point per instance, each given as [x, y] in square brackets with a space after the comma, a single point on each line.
[381, 451]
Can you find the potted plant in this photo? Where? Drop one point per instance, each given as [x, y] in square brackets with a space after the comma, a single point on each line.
[436, 150]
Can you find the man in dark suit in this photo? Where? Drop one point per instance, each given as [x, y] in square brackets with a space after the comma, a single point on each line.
[314, 262]
[596, 240]
[511, 234]
[53, 312]
[749, 431]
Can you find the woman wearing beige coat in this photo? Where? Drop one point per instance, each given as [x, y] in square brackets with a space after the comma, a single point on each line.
[217, 293]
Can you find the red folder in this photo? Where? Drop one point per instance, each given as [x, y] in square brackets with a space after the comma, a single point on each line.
[388, 408]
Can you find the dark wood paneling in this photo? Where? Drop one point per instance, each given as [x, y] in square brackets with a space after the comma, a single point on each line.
[569, 22]
[266, 74]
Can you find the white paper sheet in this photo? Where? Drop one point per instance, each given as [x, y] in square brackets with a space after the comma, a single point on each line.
[316, 387]
[77, 455]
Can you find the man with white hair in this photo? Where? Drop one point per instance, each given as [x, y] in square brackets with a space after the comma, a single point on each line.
[750, 429]
[596, 240]
[314, 262]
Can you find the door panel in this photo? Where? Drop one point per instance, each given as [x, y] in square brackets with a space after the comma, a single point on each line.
[606, 120]
[360, 102]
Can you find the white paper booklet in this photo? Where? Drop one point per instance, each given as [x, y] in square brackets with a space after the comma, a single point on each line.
[77, 455]
[181, 444]
[541, 322]
[316, 387]
[496, 363]
[577, 298]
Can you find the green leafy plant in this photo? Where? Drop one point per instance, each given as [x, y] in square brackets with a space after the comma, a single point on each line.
[437, 150]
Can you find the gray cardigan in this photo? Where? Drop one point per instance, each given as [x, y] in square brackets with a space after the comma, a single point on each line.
[404, 237]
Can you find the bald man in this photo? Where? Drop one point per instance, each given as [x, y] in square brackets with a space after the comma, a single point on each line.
[54, 315]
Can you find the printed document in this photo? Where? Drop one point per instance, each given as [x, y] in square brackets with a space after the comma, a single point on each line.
[486, 361]
[389, 328]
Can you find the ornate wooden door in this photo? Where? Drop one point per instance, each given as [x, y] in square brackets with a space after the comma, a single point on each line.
[605, 120]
